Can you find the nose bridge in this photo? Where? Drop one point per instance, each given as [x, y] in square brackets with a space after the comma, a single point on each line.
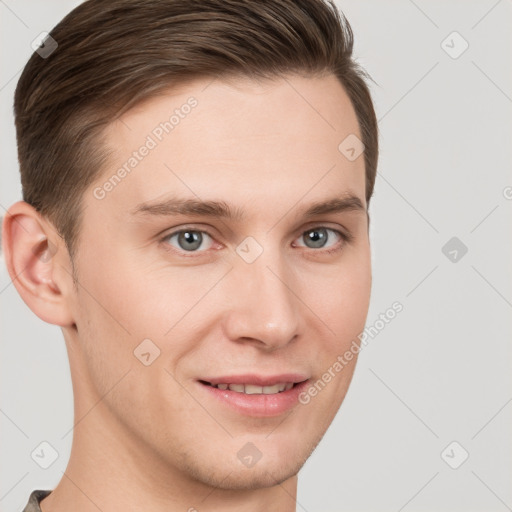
[264, 307]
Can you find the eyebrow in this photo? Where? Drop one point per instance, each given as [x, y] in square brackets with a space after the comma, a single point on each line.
[221, 209]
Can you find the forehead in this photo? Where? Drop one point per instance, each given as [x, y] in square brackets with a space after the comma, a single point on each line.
[253, 144]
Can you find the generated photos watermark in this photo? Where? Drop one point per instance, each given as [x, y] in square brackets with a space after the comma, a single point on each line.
[369, 332]
[156, 136]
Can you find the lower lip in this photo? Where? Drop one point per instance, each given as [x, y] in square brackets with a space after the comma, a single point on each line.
[260, 405]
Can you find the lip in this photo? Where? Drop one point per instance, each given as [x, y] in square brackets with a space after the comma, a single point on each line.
[258, 405]
[257, 380]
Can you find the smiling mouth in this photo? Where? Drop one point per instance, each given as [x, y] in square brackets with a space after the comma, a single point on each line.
[252, 389]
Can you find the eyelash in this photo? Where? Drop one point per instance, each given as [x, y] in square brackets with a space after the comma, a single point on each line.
[346, 238]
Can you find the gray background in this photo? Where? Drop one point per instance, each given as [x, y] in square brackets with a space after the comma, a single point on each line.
[440, 371]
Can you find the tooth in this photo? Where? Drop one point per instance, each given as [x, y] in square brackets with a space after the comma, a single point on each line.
[270, 390]
[250, 389]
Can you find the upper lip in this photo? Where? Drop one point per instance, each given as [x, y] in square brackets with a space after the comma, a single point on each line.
[257, 380]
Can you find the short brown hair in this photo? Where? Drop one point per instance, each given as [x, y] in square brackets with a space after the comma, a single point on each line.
[113, 54]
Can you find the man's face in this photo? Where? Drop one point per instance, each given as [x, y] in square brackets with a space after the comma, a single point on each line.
[259, 298]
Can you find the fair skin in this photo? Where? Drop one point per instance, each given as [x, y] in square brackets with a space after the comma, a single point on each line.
[154, 437]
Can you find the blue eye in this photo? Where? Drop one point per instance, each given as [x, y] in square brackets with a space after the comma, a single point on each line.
[317, 238]
[188, 240]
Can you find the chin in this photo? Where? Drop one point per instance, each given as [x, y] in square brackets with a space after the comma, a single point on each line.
[267, 472]
[257, 477]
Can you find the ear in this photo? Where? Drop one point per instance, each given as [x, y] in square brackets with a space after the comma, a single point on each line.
[37, 259]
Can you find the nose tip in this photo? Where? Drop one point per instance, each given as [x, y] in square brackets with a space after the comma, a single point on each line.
[264, 309]
[269, 337]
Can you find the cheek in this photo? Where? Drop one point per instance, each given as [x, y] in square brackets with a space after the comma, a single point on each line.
[135, 304]
[112, 319]
[344, 301]
[343, 311]
[122, 296]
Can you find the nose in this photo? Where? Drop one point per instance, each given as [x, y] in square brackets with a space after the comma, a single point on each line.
[264, 307]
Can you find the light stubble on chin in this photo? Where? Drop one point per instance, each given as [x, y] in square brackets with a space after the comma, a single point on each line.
[246, 479]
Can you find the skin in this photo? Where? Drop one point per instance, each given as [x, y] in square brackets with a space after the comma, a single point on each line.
[269, 148]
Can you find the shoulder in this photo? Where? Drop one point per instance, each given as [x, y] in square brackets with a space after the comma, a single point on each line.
[34, 499]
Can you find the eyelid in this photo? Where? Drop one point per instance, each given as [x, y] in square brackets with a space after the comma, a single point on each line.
[343, 232]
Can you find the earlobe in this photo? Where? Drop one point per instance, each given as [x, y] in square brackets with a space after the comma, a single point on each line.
[33, 250]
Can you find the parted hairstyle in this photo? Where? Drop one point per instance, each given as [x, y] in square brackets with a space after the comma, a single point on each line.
[113, 54]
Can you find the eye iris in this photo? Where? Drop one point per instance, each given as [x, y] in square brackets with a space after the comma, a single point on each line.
[318, 237]
[190, 237]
